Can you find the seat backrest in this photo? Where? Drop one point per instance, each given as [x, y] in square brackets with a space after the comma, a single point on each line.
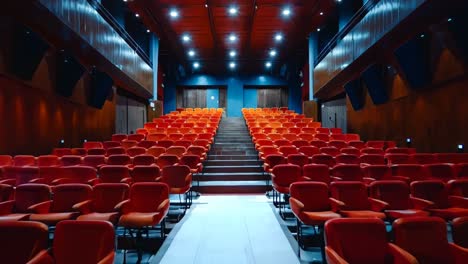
[285, 174]
[25, 174]
[145, 197]
[119, 137]
[460, 231]
[458, 187]
[330, 151]
[96, 240]
[347, 159]
[318, 143]
[288, 150]
[356, 144]
[167, 160]
[414, 172]
[92, 144]
[347, 172]
[115, 151]
[30, 194]
[423, 158]
[432, 190]
[113, 173]
[373, 159]
[94, 160]
[176, 150]
[96, 151]
[166, 143]
[298, 159]
[79, 151]
[395, 193]
[127, 143]
[79, 174]
[134, 151]
[368, 150]
[6, 192]
[397, 158]
[300, 143]
[378, 172]
[353, 194]
[176, 176]
[144, 159]
[197, 150]
[190, 160]
[111, 144]
[21, 240]
[136, 137]
[182, 143]
[323, 159]
[119, 159]
[70, 160]
[107, 195]
[67, 195]
[48, 160]
[156, 151]
[351, 151]
[401, 150]
[423, 237]
[314, 195]
[24, 160]
[452, 157]
[317, 172]
[309, 150]
[441, 171]
[146, 144]
[145, 173]
[282, 142]
[61, 152]
[357, 240]
[375, 144]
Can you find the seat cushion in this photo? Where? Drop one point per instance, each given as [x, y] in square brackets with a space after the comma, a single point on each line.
[449, 213]
[14, 217]
[317, 218]
[363, 214]
[111, 217]
[395, 214]
[53, 218]
[138, 220]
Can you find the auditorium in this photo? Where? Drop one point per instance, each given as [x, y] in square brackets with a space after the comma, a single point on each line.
[234, 131]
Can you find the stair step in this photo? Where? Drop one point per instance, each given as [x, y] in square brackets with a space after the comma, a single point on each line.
[232, 187]
[233, 152]
[235, 176]
[229, 169]
[232, 157]
[233, 162]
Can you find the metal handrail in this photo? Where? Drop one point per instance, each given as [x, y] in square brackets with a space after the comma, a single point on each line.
[120, 30]
[355, 19]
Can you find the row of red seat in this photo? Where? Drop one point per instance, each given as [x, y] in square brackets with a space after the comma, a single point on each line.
[415, 240]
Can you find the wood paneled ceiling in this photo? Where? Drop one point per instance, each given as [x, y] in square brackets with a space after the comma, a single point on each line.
[209, 24]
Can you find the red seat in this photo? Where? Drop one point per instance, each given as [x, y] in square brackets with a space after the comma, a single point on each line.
[445, 206]
[121, 159]
[323, 159]
[351, 151]
[61, 207]
[309, 151]
[24, 160]
[119, 137]
[79, 152]
[166, 143]
[267, 150]
[127, 143]
[349, 172]
[94, 161]
[323, 137]
[462, 170]
[317, 173]
[401, 150]
[298, 159]
[96, 151]
[452, 157]
[458, 187]
[397, 195]
[197, 150]
[6, 192]
[300, 143]
[19, 175]
[48, 161]
[70, 160]
[353, 137]
[332, 151]
[272, 160]
[372, 159]
[338, 137]
[378, 172]
[339, 144]
[423, 158]
[22, 242]
[347, 159]
[142, 131]
[356, 144]
[144, 159]
[460, 231]
[426, 239]
[145, 173]
[114, 174]
[77, 174]
[318, 143]
[146, 144]
[182, 143]
[116, 151]
[96, 240]
[92, 144]
[336, 130]
[310, 204]
[156, 151]
[26, 195]
[397, 159]
[60, 152]
[135, 151]
[350, 200]
[166, 160]
[156, 136]
[440, 171]
[193, 162]
[375, 144]
[282, 142]
[307, 137]
[176, 150]
[136, 137]
[372, 151]
[323, 130]
[111, 144]
[282, 176]
[360, 241]
[101, 206]
[409, 172]
[179, 180]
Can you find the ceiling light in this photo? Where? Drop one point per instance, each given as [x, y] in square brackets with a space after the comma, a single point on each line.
[137, 15]
[232, 38]
[174, 13]
[125, 0]
[272, 53]
[268, 64]
[206, 5]
[232, 65]
[321, 13]
[186, 38]
[286, 12]
[339, 1]
[318, 29]
[232, 10]
[196, 65]
[191, 53]
[147, 31]
[232, 53]
[278, 37]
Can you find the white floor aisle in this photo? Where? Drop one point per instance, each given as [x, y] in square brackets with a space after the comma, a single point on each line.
[230, 229]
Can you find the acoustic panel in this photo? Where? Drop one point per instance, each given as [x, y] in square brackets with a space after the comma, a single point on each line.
[374, 78]
[69, 72]
[355, 92]
[101, 88]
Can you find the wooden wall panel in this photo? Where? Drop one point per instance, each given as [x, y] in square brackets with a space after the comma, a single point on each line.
[309, 108]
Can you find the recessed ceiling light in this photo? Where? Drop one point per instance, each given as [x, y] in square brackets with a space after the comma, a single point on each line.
[196, 65]
[191, 53]
[147, 31]
[232, 38]
[125, 0]
[186, 38]
[286, 12]
[232, 65]
[273, 53]
[268, 64]
[232, 53]
[233, 10]
[318, 29]
[174, 13]
[278, 37]
[339, 1]
[137, 15]
[206, 5]
[449, 19]
[321, 13]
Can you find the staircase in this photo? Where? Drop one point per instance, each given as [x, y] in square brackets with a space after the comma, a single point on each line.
[232, 165]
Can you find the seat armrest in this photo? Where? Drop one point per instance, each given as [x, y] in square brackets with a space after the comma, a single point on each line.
[333, 257]
[400, 256]
[336, 205]
[38, 180]
[188, 178]
[84, 207]
[296, 205]
[401, 178]
[163, 205]
[334, 178]
[61, 181]
[158, 179]
[460, 254]
[421, 204]
[122, 207]
[368, 180]
[8, 181]
[6, 207]
[377, 205]
[40, 208]
[458, 201]
[93, 182]
[304, 178]
[126, 180]
[109, 259]
[43, 257]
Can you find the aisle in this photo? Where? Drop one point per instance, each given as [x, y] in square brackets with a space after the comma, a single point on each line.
[230, 229]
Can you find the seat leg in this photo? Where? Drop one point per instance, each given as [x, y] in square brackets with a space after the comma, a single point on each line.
[299, 237]
[163, 228]
[321, 234]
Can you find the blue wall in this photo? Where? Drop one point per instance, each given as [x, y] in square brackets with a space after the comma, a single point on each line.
[250, 98]
[235, 90]
[212, 103]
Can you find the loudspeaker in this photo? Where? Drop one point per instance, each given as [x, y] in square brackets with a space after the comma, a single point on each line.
[355, 92]
[415, 60]
[458, 27]
[69, 72]
[27, 51]
[374, 77]
[101, 87]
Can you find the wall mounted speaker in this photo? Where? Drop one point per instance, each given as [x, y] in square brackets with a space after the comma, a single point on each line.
[69, 72]
[101, 88]
[355, 91]
[374, 78]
